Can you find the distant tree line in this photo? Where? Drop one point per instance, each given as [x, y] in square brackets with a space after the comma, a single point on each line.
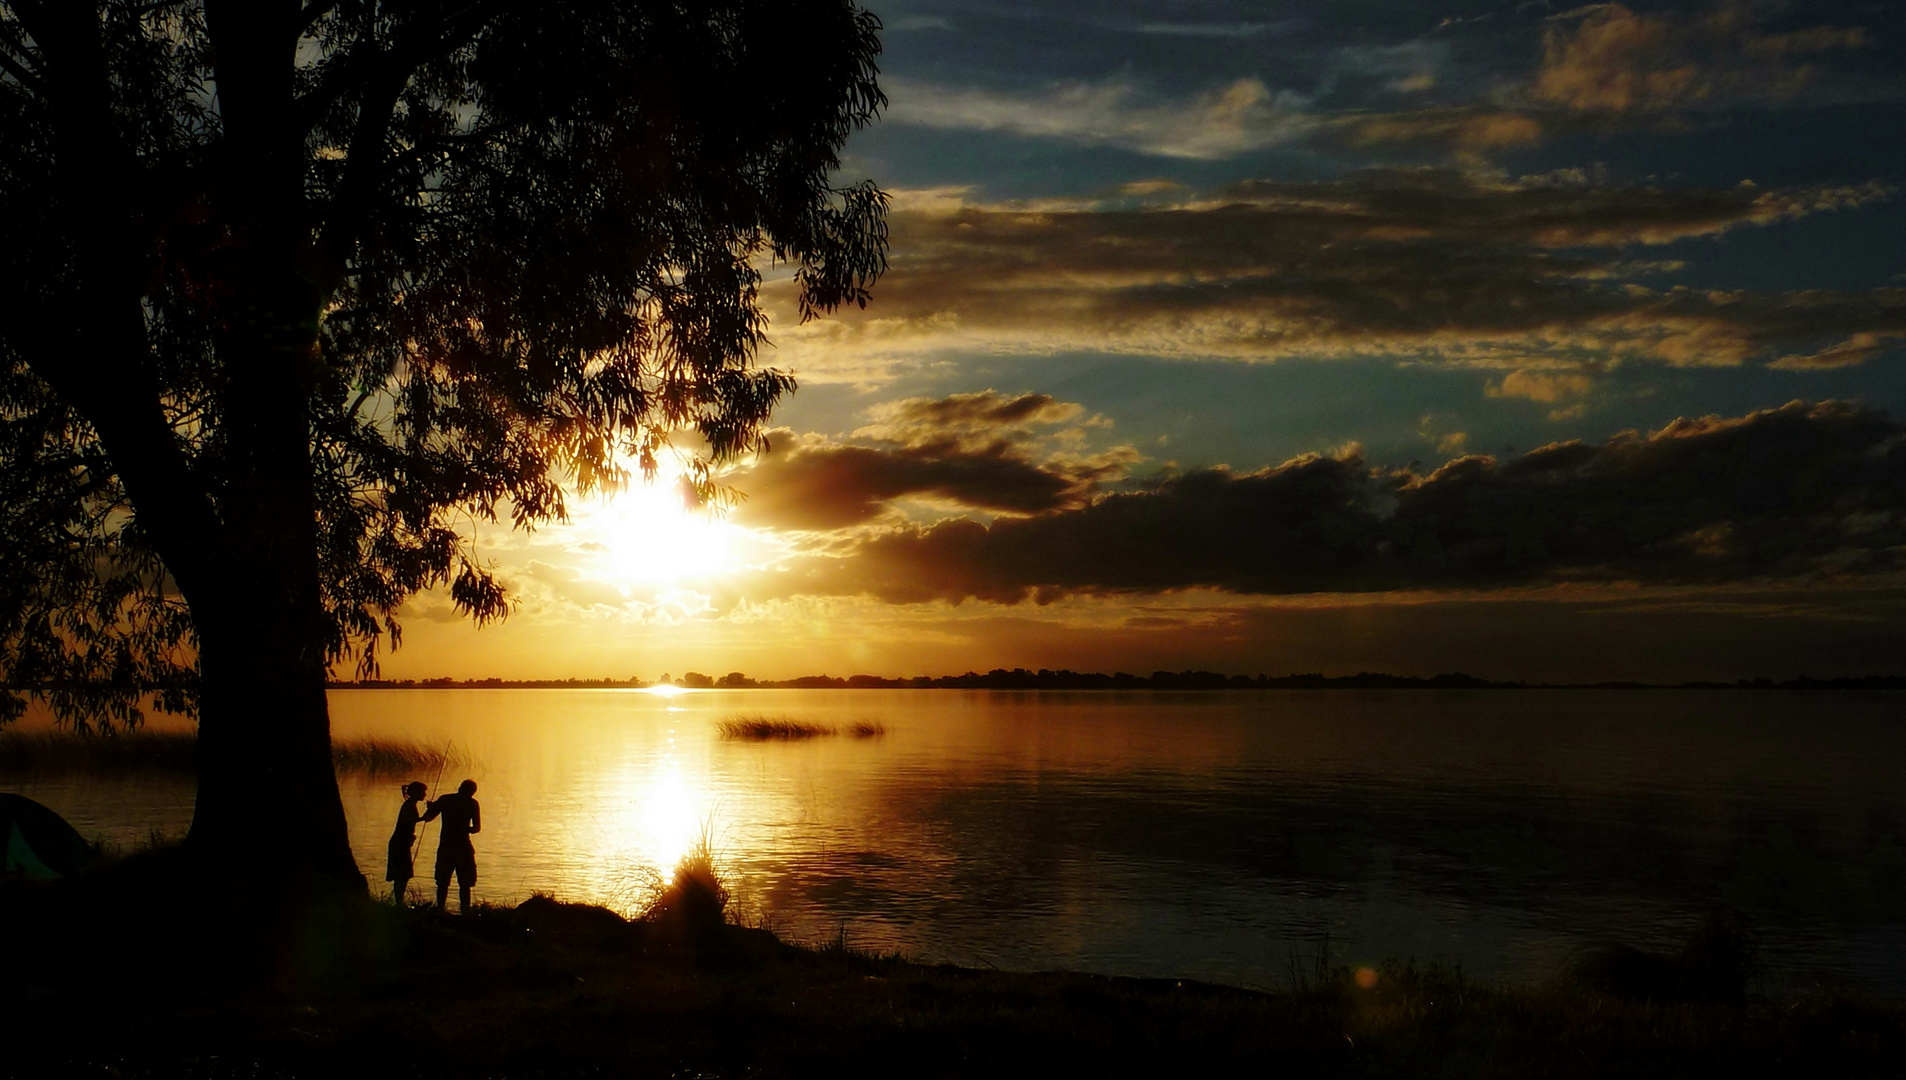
[1064, 679]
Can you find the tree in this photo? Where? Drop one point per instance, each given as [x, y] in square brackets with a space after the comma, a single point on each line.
[289, 291]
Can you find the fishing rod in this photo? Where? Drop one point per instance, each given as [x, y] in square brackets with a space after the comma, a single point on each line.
[416, 844]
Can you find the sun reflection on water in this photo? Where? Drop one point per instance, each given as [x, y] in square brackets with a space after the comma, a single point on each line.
[651, 813]
[673, 813]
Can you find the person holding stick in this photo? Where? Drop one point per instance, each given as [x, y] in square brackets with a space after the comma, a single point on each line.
[461, 817]
[397, 863]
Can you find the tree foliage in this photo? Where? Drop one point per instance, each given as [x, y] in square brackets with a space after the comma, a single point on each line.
[472, 254]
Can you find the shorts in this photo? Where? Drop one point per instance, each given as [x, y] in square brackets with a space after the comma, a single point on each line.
[458, 862]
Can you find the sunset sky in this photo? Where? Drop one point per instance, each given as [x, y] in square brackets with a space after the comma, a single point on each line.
[1528, 340]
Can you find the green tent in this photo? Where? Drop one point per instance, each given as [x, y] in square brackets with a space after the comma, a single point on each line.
[39, 842]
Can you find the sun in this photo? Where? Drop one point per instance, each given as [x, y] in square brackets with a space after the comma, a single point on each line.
[647, 537]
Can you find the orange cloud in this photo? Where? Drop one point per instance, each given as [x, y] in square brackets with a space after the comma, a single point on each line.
[1608, 59]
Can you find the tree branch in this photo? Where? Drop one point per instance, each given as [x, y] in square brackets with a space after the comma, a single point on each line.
[388, 73]
[312, 12]
[14, 57]
[116, 397]
[90, 347]
[22, 75]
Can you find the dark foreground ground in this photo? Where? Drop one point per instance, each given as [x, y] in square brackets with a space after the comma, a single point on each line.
[553, 990]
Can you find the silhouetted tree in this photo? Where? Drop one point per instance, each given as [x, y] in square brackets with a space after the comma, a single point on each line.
[290, 290]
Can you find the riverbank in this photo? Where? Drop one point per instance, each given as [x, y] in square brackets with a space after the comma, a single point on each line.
[555, 990]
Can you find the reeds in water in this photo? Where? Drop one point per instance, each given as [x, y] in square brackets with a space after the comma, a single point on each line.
[389, 757]
[759, 728]
[56, 752]
[762, 728]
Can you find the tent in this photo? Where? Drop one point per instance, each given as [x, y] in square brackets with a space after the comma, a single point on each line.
[39, 842]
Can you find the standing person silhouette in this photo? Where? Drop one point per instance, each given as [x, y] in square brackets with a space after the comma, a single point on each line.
[461, 817]
[397, 865]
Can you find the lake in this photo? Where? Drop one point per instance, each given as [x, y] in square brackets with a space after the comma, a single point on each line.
[1219, 836]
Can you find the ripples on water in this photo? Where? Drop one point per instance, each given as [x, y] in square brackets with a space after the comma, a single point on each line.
[1208, 835]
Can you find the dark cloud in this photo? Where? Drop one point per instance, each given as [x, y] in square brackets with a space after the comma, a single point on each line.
[976, 451]
[1431, 264]
[1791, 492]
[985, 410]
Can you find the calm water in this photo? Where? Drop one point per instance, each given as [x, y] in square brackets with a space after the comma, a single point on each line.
[1204, 835]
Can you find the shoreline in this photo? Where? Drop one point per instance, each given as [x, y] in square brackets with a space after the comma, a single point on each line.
[549, 989]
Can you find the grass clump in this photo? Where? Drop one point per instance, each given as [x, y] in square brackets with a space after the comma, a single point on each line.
[43, 753]
[758, 727]
[693, 907]
[762, 728]
[1716, 963]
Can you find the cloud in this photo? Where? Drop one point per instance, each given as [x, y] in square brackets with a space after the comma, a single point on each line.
[1237, 118]
[1472, 128]
[1854, 351]
[1608, 59]
[918, 22]
[916, 420]
[1804, 491]
[573, 586]
[1438, 430]
[1427, 264]
[1217, 30]
[1604, 67]
[1547, 387]
[969, 451]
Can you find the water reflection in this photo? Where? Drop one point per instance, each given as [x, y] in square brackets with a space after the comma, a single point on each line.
[1209, 835]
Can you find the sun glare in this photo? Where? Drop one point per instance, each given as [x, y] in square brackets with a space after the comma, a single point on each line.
[648, 537]
[665, 690]
[672, 815]
[651, 814]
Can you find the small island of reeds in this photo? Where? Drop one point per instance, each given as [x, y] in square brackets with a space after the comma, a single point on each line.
[757, 727]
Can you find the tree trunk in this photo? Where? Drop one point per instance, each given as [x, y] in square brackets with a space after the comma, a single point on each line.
[268, 815]
[268, 806]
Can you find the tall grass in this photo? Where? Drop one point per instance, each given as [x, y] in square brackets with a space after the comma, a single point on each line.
[389, 757]
[58, 752]
[693, 905]
[758, 727]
